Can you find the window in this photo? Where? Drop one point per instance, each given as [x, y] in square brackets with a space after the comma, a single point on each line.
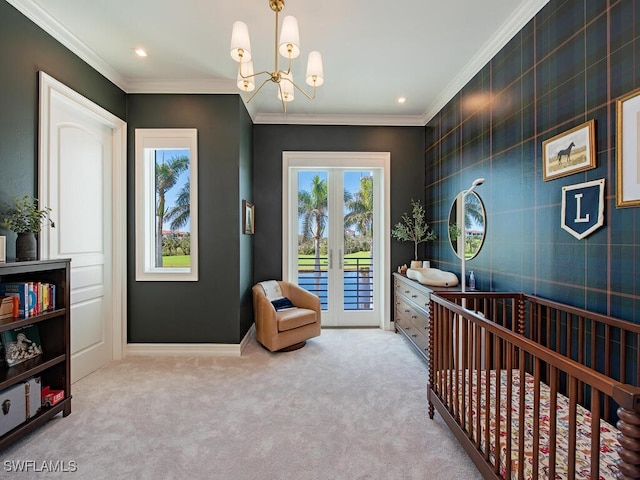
[166, 204]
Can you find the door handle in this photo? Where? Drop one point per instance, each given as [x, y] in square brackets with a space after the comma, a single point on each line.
[340, 259]
[330, 259]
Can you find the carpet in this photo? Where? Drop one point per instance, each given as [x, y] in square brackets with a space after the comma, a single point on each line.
[349, 405]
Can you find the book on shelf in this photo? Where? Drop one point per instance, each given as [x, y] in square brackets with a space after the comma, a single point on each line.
[21, 291]
[21, 344]
[34, 298]
[8, 307]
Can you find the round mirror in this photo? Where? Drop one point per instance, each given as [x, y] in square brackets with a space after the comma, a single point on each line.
[470, 231]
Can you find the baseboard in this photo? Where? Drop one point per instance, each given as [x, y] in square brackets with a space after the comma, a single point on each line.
[191, 349]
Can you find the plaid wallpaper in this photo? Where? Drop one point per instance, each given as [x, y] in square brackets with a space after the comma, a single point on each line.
[568, 65]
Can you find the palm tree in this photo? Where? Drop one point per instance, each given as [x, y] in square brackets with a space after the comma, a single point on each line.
[312, 208]
[167, 174]
[180, 213]
[360, 208]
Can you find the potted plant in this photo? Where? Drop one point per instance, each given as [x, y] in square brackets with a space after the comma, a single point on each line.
[414, 229]
[25, 218]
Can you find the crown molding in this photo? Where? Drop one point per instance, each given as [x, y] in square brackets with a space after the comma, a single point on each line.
[213, 86]
[506, 32]
[54, 28]
[49, 24]
[367, 120]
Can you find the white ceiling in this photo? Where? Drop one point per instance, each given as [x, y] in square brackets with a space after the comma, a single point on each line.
[374, 51]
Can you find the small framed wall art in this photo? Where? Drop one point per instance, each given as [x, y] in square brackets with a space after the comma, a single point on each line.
[627, 150]
[248, 218]
[570, 152]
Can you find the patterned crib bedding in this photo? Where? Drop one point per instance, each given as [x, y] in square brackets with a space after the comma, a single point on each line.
[608, 442]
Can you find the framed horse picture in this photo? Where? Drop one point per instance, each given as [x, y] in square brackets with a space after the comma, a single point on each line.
[569, 152]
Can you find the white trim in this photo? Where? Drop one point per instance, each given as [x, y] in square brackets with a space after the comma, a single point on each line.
[380, 160]
[191, 349]
[373, 120]
[48, 86]
[147, 140]
[33, 11]
[196, 85]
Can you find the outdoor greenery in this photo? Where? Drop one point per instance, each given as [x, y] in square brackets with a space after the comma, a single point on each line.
[413, 228]
[358, 221]
[175, 244]
[176, 261]
[25, 216]
[167, 174]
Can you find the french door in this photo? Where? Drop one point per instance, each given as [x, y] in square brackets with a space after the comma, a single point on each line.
[335, 246]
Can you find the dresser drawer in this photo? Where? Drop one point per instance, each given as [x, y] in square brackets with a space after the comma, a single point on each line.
[412, 292]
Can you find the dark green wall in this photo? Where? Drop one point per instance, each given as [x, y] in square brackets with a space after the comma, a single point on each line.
[206, 311]
[25, 49]
[406, 145]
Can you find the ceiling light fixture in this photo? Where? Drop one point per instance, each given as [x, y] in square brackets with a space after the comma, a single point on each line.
[288, 46]
[141, 52]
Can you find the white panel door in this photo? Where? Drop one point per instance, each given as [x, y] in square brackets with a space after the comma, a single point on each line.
[79, 179]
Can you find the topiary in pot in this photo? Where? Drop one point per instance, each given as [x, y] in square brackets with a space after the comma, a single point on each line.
[413, 228]
[26, 218]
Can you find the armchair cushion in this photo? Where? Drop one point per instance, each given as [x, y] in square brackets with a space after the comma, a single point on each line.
[294, 318]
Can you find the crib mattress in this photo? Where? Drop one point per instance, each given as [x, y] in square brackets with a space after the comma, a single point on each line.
[608, 441]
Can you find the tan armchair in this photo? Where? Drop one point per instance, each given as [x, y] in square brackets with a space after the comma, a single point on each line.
[286, 329]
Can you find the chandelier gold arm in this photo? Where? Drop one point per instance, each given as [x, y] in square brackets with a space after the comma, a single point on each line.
[259, 88]
[309, 96]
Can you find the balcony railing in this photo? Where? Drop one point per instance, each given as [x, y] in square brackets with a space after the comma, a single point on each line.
[357, 281]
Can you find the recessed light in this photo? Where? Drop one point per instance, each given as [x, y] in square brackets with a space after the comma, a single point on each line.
[141, 52]
[402, 99]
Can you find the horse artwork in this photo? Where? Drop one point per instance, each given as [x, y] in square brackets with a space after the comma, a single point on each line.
[566, 152]
[569, 152]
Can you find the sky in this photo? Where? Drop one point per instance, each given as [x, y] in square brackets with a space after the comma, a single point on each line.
[170, 196]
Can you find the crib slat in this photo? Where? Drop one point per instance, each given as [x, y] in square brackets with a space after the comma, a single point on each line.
[572, 427]
[569, 334]
[508, 420]
[553, 418]
[521, 412]
[496, 408]
[536, 418]
[487, 394]
[595, 433]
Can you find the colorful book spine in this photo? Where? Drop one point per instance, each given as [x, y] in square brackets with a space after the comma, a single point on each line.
[34, 298]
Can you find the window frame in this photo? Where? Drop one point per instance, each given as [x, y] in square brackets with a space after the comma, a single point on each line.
[146, 140]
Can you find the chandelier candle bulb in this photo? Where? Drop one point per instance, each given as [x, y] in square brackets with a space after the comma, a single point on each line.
[315, 75]
[245, 80]
[290, 38]
[285, 90]
[240, 42]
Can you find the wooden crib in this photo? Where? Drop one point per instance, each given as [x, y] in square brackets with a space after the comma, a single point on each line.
[557, 386]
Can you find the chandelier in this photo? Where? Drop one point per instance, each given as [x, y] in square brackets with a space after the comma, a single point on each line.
[288, 46]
